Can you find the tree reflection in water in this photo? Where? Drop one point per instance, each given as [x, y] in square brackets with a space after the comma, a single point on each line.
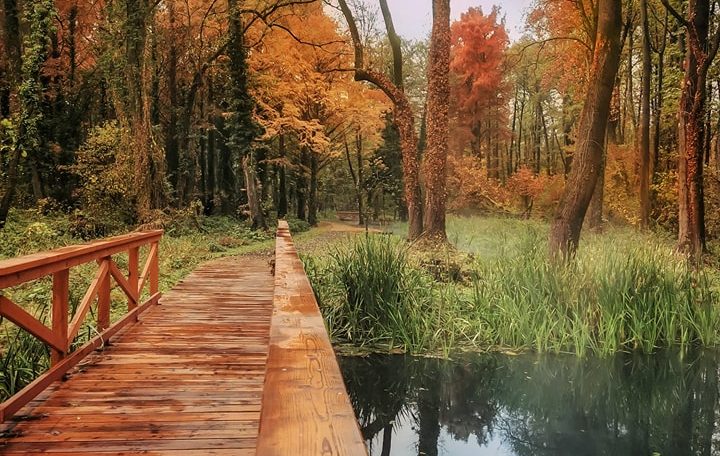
[538, 405]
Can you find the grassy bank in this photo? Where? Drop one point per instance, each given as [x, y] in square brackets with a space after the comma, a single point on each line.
[188, 241]
[624, 291]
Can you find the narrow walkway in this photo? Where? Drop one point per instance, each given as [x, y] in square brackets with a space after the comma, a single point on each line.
[186, 380]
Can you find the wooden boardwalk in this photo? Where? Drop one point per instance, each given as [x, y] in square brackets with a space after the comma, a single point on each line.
[190, 377]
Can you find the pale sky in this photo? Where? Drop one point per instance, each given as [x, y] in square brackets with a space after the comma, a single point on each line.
[413, 18]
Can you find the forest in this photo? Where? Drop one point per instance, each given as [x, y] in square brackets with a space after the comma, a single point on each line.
[493, 149]
[121, 114]
[509, 214]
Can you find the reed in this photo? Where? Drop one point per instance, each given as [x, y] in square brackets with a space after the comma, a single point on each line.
[625, 291]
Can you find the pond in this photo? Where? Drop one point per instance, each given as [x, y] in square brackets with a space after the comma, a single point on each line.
[660, 405]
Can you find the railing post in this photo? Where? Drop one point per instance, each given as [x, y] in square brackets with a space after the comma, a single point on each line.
[133, 259]
[155, 270]
[103, 307]
[60, 298]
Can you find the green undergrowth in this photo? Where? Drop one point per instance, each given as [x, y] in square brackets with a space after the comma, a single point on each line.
[625, 291]
[187, 242]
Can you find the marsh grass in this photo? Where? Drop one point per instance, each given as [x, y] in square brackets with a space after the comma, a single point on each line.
[625, 291]
[373, 295]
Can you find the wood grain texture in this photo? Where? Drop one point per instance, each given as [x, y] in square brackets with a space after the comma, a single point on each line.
[186, 379]
[306, 410]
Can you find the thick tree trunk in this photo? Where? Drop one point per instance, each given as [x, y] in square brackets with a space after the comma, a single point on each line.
[691, 217]
[12, 40]
[438, 96]
[644, 150]
[568, 221]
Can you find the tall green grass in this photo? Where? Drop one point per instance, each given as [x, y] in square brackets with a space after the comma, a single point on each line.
[625, 291]
[372, 296]
[613, 296]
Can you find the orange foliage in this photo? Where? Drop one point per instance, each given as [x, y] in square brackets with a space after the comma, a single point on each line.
[567, 27]
[479, 89]
[469, 188]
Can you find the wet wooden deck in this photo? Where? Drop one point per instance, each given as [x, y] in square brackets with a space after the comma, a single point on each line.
[190, 377]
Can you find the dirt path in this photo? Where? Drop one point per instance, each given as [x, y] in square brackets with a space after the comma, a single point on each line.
[327, 234]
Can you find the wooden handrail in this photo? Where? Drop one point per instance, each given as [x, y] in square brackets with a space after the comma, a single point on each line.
[306, 410]
[60, 335]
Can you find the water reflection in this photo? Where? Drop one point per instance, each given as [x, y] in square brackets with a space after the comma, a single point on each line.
[537, 405]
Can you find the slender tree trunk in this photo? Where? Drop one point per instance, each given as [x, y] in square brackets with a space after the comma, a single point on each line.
[301, 184]
[630, 96]
[510, 168]
[520, 132]
[313, 196]
[645, 114]
[404, 118]
[361, 193]
[172, 157]
[438, 132]
[659, 99]
[10, 187]
[282, 199]
[567, 224]
[594, 218]
[251, 187]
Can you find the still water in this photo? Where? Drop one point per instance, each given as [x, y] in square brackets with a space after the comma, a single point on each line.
[482, 405]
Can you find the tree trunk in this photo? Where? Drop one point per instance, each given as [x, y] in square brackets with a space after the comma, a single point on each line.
[313, 195]
[438, 96]
[594, 218]
[404, 119]
[698, 58]
[10, 186]
[172, 157]
[645, 170]
[302, 184]
[282, 207]
[257, 218]
[567, 224]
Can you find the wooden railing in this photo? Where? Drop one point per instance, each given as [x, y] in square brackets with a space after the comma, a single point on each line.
[64, 329]
[306, 410]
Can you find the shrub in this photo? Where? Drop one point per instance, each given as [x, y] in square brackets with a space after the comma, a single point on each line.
[103, 166]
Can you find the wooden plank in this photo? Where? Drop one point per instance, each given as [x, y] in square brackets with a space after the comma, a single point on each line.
[87, 300]
[133, 278]
[23, 319]
[103, 301]
[186, 379]
[130, 290]
[56, 372]
[306, 409]
[60, 298]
